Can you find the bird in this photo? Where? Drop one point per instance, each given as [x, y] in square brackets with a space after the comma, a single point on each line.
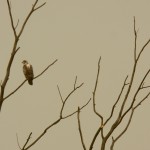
[28, 71]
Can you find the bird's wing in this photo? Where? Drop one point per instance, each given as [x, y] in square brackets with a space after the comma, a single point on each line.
[25, 70]
[28, 71]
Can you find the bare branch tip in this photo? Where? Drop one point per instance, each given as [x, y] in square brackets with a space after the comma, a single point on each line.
[60, 94]
[34, 9]
[112, 138]
[17, 24]
[99, 60]
[82, 83]
[75, 82]
[18, 141]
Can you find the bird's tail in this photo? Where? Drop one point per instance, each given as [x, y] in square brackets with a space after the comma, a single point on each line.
[30, 82]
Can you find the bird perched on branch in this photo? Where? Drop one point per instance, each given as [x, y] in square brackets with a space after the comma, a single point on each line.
[28, 71]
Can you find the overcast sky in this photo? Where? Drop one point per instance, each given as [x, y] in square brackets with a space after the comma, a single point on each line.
[77, 33]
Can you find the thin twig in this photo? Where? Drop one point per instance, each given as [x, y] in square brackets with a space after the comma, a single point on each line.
[138, 104]
[39, 6]
[50, 126]
[135, 42]
[121, 134]
[42, 134]
[120, 116]
[64, 102]
[113, 108]
[95, 88]
[64, 117]
[143, 49]
[145, 87]
[75, 82]
[95, 136]
[11, 18]
[18, 141]
[129, 121]
[27, 141]
[80, 130]
[134, 69]
[17, 24]
[17, 50]
[58, 120]
[135, 95]
[60, 94]
[46, 69]
[94, 103]
[28, 16]
[100, 129]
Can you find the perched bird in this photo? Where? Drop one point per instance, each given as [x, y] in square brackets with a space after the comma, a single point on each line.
[28, 71]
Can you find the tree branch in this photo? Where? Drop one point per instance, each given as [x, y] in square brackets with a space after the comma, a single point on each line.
[80, 130]
[135, 42]
[100, 129]
[120, 116]
[11, 19]
[18, 142]
[75, 82]
[113, 108]
[135, 95]
[76, 111]
[58, 120]
[39, 6]
[95, 136]
[28, 16]
[27, 141]
[64, 102]
[46, 68]
[129, 121]
[60, 94]
[94, 92]
[119, 136]
[133, 72]
[50, 126]
[143, 48]
[42, 134]
[17, 24]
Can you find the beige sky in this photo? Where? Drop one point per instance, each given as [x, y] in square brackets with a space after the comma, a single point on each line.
[77, 33]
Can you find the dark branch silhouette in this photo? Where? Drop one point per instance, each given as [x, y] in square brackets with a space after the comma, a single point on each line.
[61, 117]
[124, 109]
[122, 113]
[80, 130]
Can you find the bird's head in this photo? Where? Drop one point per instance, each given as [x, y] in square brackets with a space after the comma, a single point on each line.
[25, 62]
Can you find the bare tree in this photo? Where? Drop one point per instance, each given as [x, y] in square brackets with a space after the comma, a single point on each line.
[122, 113]
[15, 48]
[61, 117]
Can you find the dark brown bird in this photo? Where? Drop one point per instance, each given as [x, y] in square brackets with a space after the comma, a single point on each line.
[28, 71]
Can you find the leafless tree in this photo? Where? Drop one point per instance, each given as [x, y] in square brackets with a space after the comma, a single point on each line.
[123, 109]
[122, 113]
[15, 48]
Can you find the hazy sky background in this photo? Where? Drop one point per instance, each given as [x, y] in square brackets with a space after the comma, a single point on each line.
[77, 33]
